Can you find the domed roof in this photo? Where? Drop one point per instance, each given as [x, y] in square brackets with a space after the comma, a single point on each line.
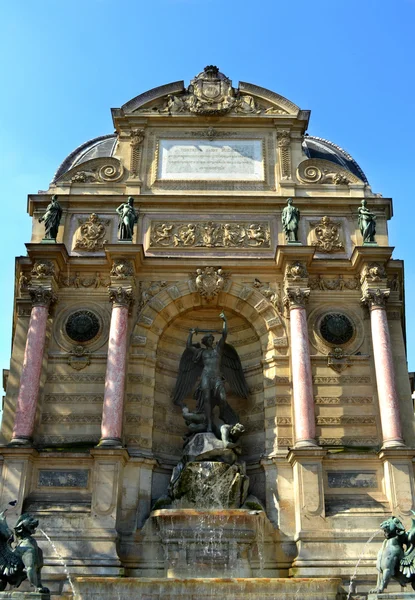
[99, 147]
[316, 147]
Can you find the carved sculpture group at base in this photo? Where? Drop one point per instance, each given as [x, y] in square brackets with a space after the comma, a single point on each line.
[20, 556]
[396, 558]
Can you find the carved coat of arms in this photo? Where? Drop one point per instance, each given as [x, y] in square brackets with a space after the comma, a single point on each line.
[211, 92]
[209, 282]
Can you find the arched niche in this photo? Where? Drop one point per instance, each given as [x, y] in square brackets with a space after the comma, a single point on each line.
[256, 330]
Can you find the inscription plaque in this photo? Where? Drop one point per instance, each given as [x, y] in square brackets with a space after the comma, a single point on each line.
[352, 479]
[71, 478]
[230, 160]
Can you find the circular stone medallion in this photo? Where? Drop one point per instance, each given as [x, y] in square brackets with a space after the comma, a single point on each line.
[82, 326]
[336, 328]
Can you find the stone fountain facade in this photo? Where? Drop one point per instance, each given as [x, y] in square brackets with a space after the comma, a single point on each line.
[90, 435]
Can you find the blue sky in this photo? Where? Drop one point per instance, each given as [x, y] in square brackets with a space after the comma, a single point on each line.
[65, 64]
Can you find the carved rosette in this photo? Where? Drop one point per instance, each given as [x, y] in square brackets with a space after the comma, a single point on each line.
[121, 296]
[284, 146]
[296, 297]
[43, 270]
[41, 296]
[136, 142]
[374, 299]
[122, 269]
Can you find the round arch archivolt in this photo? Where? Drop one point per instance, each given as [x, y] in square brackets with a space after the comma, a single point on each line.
[146, 368]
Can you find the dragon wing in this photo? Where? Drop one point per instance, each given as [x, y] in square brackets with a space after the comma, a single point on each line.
[232, 370]
[10, 563]
[407, 562]
[190, 369]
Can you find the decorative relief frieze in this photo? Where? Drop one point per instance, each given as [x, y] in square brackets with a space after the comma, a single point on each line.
[342, 380]
[355, 400]
[340, 283]
[140, 441]
[209, 234]
[316, 170]
[141, 379]
[92, 233]
[76, 281]
[326, 235]
[57, 419]
[209, 282]
[278, 400]
[74, 399]
[345, 420]
[75, 377]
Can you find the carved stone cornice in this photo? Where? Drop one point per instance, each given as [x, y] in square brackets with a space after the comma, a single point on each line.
[296, 297]
[121, 296]
[42, 296]
[375, 298]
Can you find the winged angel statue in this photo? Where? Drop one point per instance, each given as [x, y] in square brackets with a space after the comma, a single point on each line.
[212, 365]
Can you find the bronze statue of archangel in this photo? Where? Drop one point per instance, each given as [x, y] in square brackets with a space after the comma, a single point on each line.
[214, 365]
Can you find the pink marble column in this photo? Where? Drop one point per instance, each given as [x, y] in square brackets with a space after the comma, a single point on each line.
[304, 419]
[113, 409]
[385, 375]
[32, 367]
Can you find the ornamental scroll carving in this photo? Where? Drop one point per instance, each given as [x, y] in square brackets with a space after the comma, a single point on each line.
[97, 170]
[136, 142]
[327, 236]
[317, 170]
[209, 234]
[92, 233]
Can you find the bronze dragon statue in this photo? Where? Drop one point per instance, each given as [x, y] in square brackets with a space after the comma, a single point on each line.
[22, 559]
[396, 558]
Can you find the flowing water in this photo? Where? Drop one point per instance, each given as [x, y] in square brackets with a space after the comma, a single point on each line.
[353, 577]
[61, 560]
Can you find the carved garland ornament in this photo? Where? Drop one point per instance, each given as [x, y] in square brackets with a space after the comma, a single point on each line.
[207, 234]
[92, 233]
[340, 283]
[137, 138]
[284, 144]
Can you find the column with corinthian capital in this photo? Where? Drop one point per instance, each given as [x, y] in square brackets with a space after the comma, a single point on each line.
[24, 421]
[376, 300]
[113, 408]
[304, 418]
